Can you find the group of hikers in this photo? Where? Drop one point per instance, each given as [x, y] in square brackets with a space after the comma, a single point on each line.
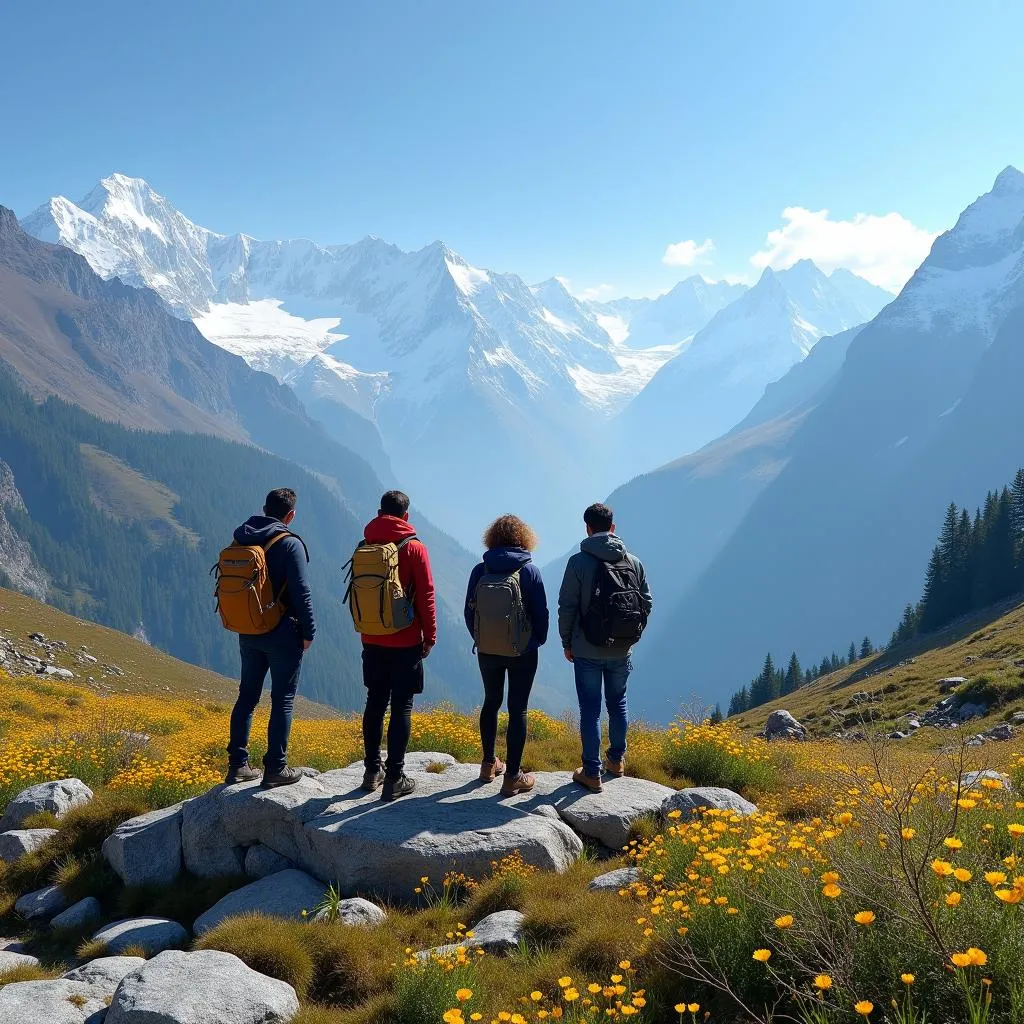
[263, 594]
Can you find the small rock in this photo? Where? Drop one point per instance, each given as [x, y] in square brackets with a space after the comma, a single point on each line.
[897, 735]
[153, 934]
[147, 850]
[973, 780]
[18, 842]
[57, 797]
[781, 725]
[615, 881]
[79, 914]
[498, 934]
[1017, 718]
[1003, 731]
[261, 861]
[285, 894]
[690, 802]
[41, 904]
[357, 913]
[9, 959]
[58, 673]
[951, 683]
[108, 971]
[206, 987]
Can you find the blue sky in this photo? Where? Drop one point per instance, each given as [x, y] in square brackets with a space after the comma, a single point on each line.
[559, 137]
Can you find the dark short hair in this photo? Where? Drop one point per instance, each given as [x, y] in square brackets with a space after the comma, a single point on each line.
[279, 503]
[394, 503]
[599, 518]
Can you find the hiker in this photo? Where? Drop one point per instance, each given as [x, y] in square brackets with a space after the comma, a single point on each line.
[507, 615]
[391, 597]
[263, 595]
[603, 605]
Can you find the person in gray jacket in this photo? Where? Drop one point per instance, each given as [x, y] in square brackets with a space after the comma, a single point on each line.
[603, 607]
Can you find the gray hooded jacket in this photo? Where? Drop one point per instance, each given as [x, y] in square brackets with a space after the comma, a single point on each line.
[578, 585]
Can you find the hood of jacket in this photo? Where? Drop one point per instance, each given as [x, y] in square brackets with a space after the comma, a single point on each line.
[385, 529]
[605, 546]
[258, 530]
[506, 560]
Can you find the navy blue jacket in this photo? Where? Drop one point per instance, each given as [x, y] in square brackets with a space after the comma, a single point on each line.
[286, 562]
[507, 560]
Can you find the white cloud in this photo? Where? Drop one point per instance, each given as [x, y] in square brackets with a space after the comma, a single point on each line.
[686, 253]
[884, 250]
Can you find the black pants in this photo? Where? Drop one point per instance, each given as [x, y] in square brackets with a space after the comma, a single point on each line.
[281, 653]
[520, 671]
[392, 676]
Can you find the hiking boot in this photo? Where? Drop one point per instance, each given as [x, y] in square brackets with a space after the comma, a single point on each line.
[591, 782]
[616, 769]
[242, 773]
[372, 779]
[490, 770]
[287, 776]
[393, 789]
[521, 783]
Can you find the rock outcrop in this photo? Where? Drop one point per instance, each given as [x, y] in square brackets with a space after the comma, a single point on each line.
[147, 850]
[781, 725]
[692, 802]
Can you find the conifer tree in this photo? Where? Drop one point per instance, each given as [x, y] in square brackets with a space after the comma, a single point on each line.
[762, 689]
[794, 676]
[866, 647]
[716, 715]
[851, 655]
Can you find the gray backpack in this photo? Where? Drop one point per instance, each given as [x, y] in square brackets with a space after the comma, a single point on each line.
[501, 625]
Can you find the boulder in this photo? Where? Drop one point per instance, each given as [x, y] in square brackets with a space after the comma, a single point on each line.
[261, 861]
[18, 842]
[973, 780]
[950, 683]
[206, 987]
[969, 710]
[207, 850]
[147, 850]
[1017, 718]
[692, 802]
[285, 894]
[781, 725]
[52, 1002]
[107, 971]
[79, 914]
[615, 881]
[608, 815]
[41, 904]
[153, 934]
[56, 797]
[498, 934]
[359, 913]
[9, 959]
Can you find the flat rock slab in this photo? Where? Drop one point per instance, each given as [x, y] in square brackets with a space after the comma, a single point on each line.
[106, 972]
[691, 803]
[147, 850]
[78, 915]
[153, 934]
[41, 904]
[18, 842]
[9, 959]
[52, 1002]
[285, 894]
[207, 987]
[334, 831]
[615, 881]
[57, 797]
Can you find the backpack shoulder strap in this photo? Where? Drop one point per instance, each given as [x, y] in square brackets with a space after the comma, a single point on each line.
[273, 540]
[405, 540]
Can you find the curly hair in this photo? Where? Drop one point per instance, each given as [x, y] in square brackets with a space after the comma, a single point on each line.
[509, 532]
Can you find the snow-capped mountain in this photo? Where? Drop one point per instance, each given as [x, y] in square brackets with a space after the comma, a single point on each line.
[422, 349]
[715, 380]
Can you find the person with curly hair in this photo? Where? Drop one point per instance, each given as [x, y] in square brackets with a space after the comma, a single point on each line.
[507, 615]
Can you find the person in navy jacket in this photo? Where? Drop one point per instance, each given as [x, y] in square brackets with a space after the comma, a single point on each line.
[509, 541]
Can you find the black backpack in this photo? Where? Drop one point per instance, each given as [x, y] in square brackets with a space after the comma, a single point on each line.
[615, 616]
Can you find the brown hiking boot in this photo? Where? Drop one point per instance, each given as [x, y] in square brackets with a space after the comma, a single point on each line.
[521, 783]
[372, 780]
[394, 789]
[287, 776]
[242, 773]
[490, 770]
[581, 778]
[616, 769]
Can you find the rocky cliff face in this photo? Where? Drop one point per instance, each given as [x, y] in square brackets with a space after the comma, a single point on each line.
[17, 562]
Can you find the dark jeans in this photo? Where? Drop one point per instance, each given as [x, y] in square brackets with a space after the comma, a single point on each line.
[520, 671]
[281, 653]
[392, 675]
[593, 675]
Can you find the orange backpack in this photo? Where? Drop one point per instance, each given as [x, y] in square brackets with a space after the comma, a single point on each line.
[245, 597]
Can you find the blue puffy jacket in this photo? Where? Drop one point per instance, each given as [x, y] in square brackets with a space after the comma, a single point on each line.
[507, 560]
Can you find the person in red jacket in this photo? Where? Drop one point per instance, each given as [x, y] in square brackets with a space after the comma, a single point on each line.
[393, 664]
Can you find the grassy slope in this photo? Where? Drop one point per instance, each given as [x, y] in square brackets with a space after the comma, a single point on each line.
[146, 670]
[982, 647]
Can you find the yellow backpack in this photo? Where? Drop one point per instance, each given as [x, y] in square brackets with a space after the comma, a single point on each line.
[375, 596]
[245, 597]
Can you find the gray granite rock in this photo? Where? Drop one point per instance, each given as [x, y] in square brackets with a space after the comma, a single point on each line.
[261, 861]
[18, 842]
[9, 959]
[285, 894]
[41, 904]
[81, 913]
[691, 802]
[107, 971]
[781, 725]
[498, 934]
[615, 881]
[57, 797]
[147, 850]
[153, 934]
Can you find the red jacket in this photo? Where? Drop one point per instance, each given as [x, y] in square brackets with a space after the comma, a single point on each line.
[414, 572]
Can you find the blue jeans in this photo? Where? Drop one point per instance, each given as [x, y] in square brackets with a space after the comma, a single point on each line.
[280, 652]
[592, 676]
